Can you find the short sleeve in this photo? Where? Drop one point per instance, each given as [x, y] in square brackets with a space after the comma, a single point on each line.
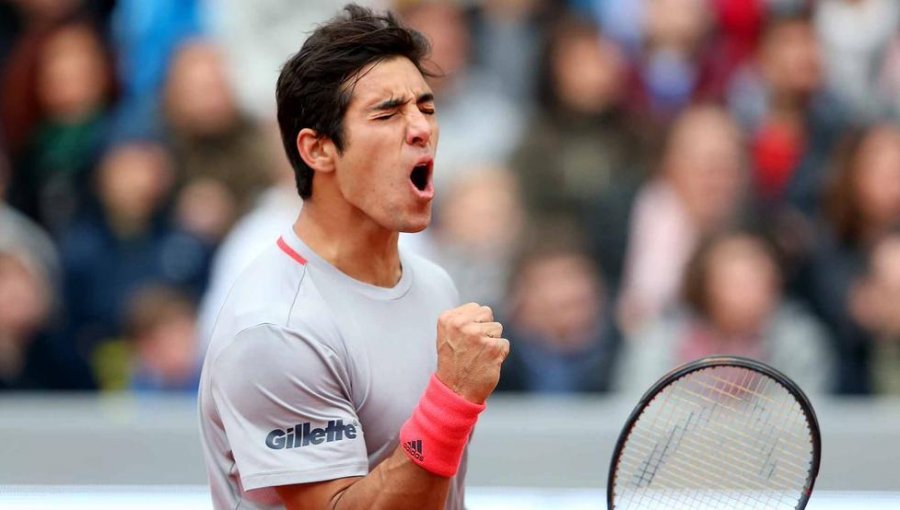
[283, 397]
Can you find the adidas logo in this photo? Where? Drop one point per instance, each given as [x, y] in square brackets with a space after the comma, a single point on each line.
[303, 434]
[414, 448]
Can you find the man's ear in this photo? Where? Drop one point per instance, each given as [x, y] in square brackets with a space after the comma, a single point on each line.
[317, 151]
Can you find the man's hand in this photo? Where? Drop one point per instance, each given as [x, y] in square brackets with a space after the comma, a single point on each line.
[470, 351]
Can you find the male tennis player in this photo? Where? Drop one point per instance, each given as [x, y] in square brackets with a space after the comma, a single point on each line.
[323, 386]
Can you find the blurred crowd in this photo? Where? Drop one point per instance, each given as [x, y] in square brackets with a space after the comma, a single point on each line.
[630, 184]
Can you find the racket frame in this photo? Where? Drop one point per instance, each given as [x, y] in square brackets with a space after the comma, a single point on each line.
[712, 362]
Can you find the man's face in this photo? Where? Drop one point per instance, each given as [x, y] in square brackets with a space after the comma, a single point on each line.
[390, 138]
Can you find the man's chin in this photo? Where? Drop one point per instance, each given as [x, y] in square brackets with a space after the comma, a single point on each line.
[416, 224]
[415, 228]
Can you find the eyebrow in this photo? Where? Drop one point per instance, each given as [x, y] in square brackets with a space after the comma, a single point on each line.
[394, 103]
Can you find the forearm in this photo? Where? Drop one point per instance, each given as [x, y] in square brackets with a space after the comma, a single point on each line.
[396, 484]
[432, 444]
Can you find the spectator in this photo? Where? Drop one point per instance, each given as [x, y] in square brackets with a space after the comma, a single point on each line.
[30, 357]
[876, 306]
[580, 157]
[790, 120]
[699, 189]
[558, 322]
[146, 35]
[674, 66]
[66, 87]
[25, 301]
[24, 19]
[126, 243]
[862, 203]
[34, 355]
[18, 232]
[733, 305]
[161, 332]
[221, 157]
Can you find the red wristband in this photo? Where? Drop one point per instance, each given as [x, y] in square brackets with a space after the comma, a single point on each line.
[436, 434]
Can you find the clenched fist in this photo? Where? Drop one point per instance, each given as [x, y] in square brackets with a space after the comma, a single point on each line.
[470, 350]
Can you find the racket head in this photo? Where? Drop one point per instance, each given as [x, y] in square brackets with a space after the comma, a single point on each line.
[713, 362]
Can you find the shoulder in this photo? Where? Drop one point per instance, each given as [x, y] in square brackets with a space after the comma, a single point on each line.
[429, 274]
[274, 291]
[267, 350]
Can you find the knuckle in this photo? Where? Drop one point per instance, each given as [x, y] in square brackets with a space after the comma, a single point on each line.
[460, 322]
[501, 346]
[471, 329]
[504, 348]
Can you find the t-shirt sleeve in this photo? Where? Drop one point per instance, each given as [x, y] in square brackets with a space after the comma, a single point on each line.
[284, 400]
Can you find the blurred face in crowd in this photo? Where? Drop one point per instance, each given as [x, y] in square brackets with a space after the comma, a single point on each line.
[24, 297]
[703, 162]
[199, 100]
[482, 212]
[168, 349]
[791, 58]
[559, 297]
[73, 74]
[588, 72]
[205, 207]
[444, 25]
[742, 285]
[678, 25]
[133, 181]
[877, 178]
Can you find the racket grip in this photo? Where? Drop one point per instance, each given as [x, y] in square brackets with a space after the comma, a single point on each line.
[436, 434]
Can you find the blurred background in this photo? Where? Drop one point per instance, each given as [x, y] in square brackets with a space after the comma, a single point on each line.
[631, 184]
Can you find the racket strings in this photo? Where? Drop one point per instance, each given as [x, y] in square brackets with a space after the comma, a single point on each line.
[725, 437]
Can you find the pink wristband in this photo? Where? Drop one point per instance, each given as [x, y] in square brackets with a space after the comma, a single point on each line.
[436, 434]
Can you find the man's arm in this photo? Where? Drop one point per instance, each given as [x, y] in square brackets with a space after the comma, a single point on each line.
[470, 352]
[396, 484]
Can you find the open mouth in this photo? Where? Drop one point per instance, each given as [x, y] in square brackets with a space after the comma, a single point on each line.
[420, 176]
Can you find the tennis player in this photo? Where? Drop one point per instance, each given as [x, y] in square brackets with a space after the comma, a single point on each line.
[324, 386]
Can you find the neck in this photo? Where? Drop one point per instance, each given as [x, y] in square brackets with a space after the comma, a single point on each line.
[350, 242]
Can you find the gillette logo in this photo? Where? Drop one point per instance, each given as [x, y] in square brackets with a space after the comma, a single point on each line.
[302, 434]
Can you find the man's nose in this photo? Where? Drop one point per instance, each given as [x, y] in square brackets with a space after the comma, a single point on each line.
[419, 130]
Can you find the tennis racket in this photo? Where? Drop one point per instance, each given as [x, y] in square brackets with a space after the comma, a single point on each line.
[718, 433]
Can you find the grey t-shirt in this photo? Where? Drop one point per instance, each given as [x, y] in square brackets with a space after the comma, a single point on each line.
[310, 374]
